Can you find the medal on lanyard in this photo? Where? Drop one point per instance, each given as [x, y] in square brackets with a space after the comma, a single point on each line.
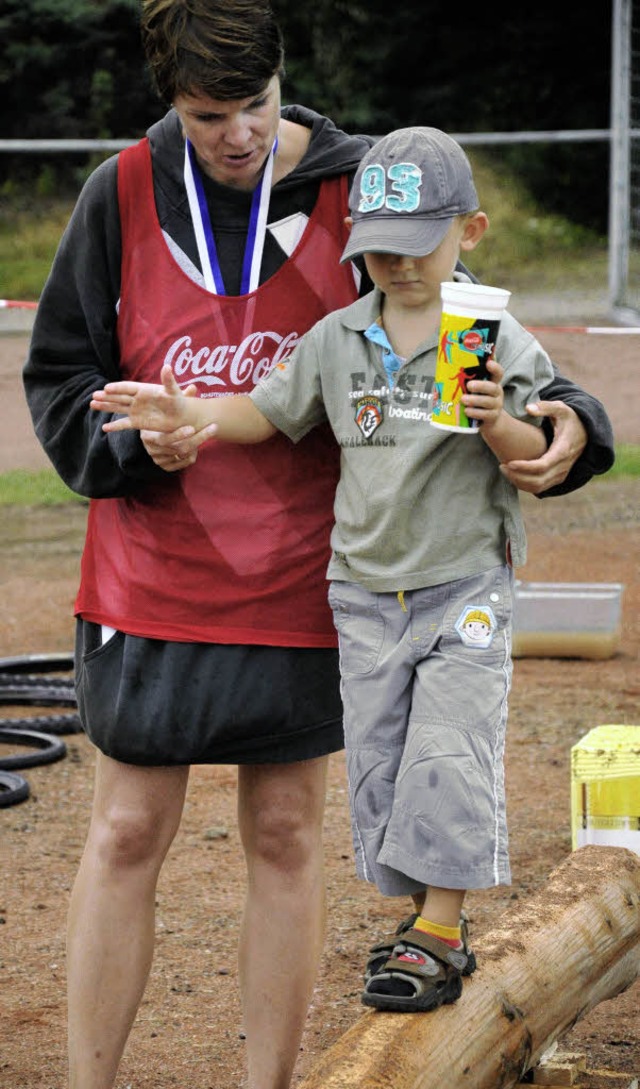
[204, 232]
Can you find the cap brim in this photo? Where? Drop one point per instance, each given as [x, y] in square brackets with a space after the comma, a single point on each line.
[410, 236]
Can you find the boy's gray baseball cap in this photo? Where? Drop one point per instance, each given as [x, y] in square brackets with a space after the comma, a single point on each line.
[407, 190]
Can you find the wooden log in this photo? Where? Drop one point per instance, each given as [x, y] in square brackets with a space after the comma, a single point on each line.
[546, 964]
[595, 1079]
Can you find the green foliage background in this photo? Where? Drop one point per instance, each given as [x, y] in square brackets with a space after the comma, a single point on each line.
[74, 68]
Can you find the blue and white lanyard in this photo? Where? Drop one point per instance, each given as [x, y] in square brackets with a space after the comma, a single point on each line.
[256, 232]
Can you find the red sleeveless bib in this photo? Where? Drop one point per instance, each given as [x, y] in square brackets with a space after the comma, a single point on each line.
[233, 549]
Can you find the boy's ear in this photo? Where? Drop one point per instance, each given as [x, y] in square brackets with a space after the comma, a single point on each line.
[348, 222]
[474, 229]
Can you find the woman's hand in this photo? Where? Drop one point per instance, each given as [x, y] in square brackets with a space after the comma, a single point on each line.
[161, 449]
[176, 449]
[569, 441]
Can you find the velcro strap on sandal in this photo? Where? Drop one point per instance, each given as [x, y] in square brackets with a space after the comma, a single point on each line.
[387, 944]
[457, 958]
[435, 970]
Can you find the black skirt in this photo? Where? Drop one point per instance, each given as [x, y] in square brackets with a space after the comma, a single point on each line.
[153, 703]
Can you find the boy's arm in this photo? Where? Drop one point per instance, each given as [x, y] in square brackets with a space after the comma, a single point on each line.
[579, 435]
[509, 438]
[512, 439]
[144, 406]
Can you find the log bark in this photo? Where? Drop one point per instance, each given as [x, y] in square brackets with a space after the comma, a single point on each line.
[545, 965]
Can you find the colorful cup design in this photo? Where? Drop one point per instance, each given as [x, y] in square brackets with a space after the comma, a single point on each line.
[469, 327]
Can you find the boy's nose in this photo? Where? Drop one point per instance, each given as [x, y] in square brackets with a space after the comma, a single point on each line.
[401, 260]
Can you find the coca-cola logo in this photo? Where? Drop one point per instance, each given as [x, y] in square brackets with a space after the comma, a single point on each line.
[472, 340]
[229, 365]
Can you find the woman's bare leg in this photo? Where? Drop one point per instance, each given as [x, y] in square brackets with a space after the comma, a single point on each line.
[136, 812]
[280, 815]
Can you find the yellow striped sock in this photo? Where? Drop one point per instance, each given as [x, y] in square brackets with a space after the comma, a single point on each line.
[449, 934]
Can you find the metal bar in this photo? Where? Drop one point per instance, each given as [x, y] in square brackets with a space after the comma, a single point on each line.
[619, 158]
[543, 136]
[64, 145]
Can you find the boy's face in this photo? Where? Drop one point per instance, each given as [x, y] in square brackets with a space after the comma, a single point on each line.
[415, 281]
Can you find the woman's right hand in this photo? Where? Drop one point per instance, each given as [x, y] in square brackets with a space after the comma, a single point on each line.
[174, 450]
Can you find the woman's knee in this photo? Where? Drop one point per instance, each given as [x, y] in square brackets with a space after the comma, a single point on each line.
[135, 815]
[282, 836]
[126, 836]
[281, 816]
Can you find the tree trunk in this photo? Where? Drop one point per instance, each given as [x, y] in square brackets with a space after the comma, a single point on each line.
[545, 965]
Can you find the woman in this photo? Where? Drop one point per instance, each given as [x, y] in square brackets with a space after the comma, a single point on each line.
[204, 635]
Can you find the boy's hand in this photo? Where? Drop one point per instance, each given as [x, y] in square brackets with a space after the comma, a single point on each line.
[144, 405]
[484, 400]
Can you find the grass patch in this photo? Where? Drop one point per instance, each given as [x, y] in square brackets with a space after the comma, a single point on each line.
[525, 247]
[627, 461]
[21, 488]
[28, 242]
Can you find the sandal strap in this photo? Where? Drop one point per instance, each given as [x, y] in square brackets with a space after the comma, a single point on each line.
[388, 943]
[401, 969]
[428, 943]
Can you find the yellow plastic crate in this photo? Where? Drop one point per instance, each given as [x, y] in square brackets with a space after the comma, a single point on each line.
[605, 788]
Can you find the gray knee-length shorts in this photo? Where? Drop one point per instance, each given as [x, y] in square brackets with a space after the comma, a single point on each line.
[425, 677]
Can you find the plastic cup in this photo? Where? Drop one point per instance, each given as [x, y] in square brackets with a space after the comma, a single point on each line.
[469, 326]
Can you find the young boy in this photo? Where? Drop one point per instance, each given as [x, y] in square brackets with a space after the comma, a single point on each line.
[426, 530]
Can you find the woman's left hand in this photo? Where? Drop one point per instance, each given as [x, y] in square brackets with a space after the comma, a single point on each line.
[569, 441]
[175, 450]
[161, 449]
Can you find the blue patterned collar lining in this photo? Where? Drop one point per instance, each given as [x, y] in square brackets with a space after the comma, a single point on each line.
[391, 362]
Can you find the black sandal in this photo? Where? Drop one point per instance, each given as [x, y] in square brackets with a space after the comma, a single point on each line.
[421, 974]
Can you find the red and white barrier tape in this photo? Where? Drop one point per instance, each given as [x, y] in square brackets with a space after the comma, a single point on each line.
[15, 304]
[602, 330]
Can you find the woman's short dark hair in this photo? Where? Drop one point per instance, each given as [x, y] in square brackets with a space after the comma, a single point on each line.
[226, 49]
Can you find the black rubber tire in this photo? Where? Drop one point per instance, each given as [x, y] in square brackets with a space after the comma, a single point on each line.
[48, 748]
[35, 680]
[13, 789]
[38, 697]
[45, 663]
[48, 724]
[20, 685]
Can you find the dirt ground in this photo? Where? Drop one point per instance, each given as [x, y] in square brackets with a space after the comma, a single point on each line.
[189, 1031]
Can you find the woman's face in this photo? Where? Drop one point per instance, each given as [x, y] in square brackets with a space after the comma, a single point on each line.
[231, 138]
